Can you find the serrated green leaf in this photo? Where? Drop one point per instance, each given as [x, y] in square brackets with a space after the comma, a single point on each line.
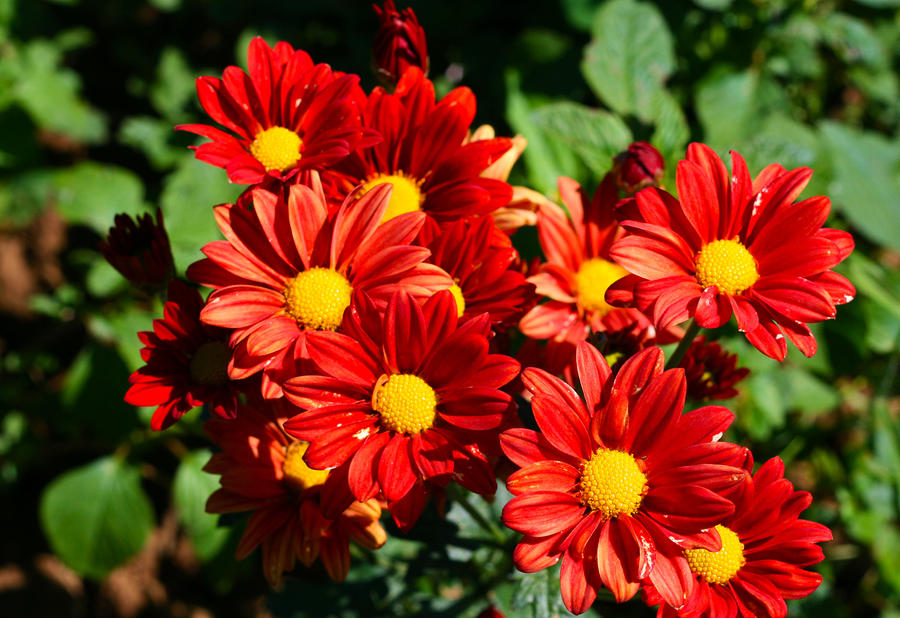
[594, 135]
[189, 194]
[544, 159]
[96, 517]
[93, 193]
[190, 491]
[630, 56]
[866, 181]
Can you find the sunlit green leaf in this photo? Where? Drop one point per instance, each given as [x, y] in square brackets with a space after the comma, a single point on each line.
[96, 517]
[630, 56]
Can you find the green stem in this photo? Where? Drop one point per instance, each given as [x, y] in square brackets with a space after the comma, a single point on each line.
[683, 346]
[488, 526]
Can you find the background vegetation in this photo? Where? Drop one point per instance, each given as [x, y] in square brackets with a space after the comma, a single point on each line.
[103, 517]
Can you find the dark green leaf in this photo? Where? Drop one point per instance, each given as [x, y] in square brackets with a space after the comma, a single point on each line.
[96, 517]
[190, 490]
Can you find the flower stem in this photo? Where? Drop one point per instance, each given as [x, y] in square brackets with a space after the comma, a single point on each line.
[488, 526]
[683, 346]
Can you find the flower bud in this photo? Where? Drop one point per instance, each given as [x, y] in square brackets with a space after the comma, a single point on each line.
[139, 249]
[638, 167]
[710, 371]
[399, 43]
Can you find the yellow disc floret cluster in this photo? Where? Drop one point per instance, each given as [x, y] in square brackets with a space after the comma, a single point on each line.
[209, 364]
[316, 298]
[592, 281]
[728, 265]
[276, 148]
[718, 567]
[297, 474]
[459, 298]
[612, 483]
[406, 196]
[405, 402]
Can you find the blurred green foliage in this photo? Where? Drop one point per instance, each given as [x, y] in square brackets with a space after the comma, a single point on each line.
[90, 91]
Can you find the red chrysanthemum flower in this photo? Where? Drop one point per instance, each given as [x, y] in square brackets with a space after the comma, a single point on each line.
[139, 249]
[711, 372]
[287, 271]
[765, 547]
[609, 481]
[186, 363]
[578, 272]
[399, 43]
[262, 470]
[732, 245]
[287, 114]
[407, 401]
[423, 155]
[483, 264]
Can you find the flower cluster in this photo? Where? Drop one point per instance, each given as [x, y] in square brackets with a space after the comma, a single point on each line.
[369, 315]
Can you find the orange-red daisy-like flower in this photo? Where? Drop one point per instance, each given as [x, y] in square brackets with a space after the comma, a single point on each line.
[732, 245]
[287, 271]
[407, 402]
[711, 372]
[399, 43]
[287, 114]
[578, 272]
[423, 155]
[765, 549]
[186, 363]
[262, 470]
[483, 264]
[611, 480]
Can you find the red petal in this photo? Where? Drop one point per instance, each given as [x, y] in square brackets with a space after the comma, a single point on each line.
[542, 513]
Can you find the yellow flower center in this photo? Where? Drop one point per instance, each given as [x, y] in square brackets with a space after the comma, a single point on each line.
[297, 474]
[727, 265]
[612, 483]
[209, 364]
[592, 281]
[276, 148]
[459, 298]
[718, 567]
[405, 402]
[317, 297]
[406, 196]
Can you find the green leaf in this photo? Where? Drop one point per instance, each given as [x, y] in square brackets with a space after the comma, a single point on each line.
[595, 136]
[151, 136]
[50, 94]
[188, 196]
[190, 490]
[174, 87]
[630, 57]
[93, 390]
[672, 131]
[93, 193]
[96, 517]
[866, 181]
[728, 108]
[544, 158]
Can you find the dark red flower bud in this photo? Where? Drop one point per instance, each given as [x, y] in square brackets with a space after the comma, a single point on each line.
[139, 249]
[638, 167]
[491, 612]
[399, 43]
[711, 372]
